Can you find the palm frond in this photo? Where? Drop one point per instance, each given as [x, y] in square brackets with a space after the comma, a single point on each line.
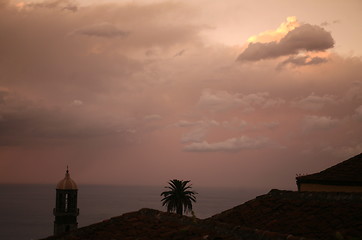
[179, 197]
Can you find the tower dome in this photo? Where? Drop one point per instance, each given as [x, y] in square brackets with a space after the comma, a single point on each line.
[66, 210]
[67, 183]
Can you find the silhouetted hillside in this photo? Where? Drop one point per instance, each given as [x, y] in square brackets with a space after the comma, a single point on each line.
[278, 215]
[318, 215]
[149, 224]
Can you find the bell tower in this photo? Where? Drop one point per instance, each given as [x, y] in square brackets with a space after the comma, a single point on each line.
[66, 210]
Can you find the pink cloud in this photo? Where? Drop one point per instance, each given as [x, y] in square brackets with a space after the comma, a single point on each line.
[232, 144]
[319, 122]
[314, 102]
[75, 90]
[358, 112]
[223, 100]
[303, 38]
[104, 29]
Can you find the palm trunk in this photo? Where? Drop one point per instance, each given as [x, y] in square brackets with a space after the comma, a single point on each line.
[179, 210]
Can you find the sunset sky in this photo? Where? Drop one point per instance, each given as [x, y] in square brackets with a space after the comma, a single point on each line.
[239, 93]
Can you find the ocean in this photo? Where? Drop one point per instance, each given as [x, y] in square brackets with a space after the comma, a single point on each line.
[27, 210]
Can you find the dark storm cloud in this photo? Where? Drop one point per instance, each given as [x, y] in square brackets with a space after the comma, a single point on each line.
[302, 61]
[106, 30]
[24, 121]
[24, 126]
[55, 84]
[306, 37]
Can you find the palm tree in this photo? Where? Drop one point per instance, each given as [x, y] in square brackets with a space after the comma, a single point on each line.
[179, 198]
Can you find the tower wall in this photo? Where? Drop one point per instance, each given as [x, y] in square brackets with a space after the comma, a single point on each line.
[65, 211]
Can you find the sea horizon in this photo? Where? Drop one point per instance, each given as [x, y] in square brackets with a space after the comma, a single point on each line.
[28, 208]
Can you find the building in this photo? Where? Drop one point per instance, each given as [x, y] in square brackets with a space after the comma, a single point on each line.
[66, 210]
[343, 177]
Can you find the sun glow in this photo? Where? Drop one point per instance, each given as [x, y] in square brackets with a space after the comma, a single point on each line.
[276, 35]
[20, 5]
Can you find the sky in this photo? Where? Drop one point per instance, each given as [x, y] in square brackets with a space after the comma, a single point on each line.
[233, 93]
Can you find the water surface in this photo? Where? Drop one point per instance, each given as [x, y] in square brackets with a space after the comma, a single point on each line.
[27, 210]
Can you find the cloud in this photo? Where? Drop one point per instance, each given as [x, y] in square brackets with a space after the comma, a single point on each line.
[52, 71]
[235, 124]
[302, 61]
[185, 123]
[223, 100]
[4, 3]
[180, 53]
[232, 144]
[77, 102]
[195, 135]
[55, 4]
[104, 29]
[279, 33]
[25, 121]
[326, 23]
[306, 37]
[271, 125]
[200, 123]
[358, 113]
[218, 100]
[131, 131]
[354, 92]
[314, 102]
[319, 122]
[37, 124]
[199, 129]
[3, 94]
[53, 60]
[344, 151]
[152, 117]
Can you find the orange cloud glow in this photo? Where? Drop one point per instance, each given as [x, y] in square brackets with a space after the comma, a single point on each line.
[139, 93]
[277, 34]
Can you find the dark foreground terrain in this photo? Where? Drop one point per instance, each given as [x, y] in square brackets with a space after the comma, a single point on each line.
[309, 214]
[276, 215]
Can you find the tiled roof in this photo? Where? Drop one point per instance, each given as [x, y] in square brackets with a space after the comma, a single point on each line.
[347, 172]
